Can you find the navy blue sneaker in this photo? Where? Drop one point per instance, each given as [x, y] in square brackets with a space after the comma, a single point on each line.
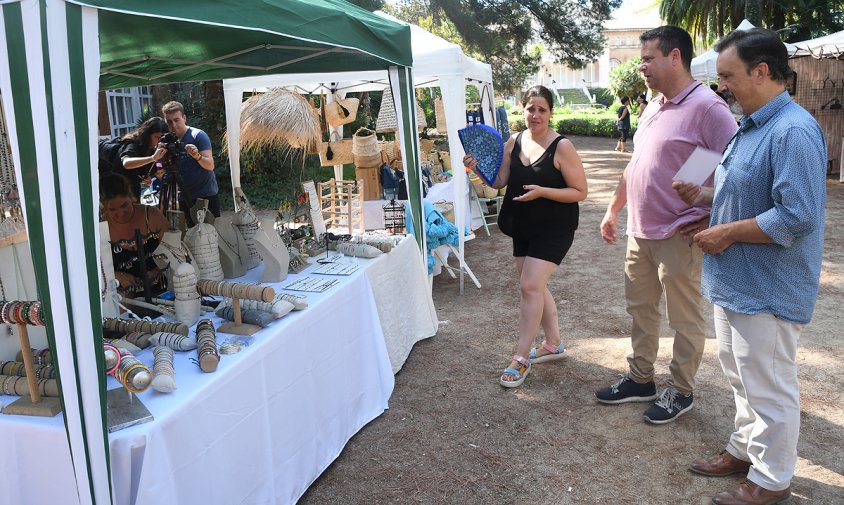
[627, 390]
[671, 405]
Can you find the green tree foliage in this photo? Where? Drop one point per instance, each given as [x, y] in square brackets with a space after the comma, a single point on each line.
[796, 20]
[501, 32]
[626, 80]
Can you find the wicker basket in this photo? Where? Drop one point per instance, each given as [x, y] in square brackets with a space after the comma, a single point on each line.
[340, 112]
[365, 148]
[341, 152]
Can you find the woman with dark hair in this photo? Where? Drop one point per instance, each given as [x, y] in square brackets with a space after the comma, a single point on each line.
[545, 179]
[124, 215]
[623, 124]
[141, 150]
[642, 100]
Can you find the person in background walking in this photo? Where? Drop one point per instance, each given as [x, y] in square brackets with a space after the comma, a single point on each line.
[623, 124]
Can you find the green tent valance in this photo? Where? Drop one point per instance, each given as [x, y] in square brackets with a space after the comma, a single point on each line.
[157, 42]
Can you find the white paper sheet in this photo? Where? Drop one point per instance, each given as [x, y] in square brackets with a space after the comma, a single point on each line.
[700, 165]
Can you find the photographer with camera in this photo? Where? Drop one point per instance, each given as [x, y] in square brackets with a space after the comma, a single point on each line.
[190, 154]
[134, 154]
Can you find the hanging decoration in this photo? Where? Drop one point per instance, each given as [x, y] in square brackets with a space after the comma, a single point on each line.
[386, 121]
[280, 119]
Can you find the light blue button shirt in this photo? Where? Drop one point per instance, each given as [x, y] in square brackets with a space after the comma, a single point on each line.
[774, 170]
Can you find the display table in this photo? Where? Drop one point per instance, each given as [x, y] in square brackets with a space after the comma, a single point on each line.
[261, 428]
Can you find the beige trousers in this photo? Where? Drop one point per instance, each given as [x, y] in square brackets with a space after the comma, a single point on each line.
[671, 266]
[758, 353]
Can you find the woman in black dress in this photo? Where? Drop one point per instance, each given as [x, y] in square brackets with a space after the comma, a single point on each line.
[545, 180]
[141, 150]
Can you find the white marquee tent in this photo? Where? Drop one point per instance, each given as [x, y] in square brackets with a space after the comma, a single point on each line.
[703, 66]
[831, 45]
[436, 62]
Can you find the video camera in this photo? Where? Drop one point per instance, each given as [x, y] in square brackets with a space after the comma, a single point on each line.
[173, 144]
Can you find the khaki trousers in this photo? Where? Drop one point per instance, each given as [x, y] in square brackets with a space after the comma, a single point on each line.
[671, 266]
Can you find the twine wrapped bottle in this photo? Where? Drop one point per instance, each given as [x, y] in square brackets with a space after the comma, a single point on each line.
[187, 303]
[247, 223]
[202, 242]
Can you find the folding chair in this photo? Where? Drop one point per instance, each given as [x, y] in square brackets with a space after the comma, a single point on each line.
[487, 216]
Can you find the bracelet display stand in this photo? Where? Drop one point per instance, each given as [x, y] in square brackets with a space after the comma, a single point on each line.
[124, 409]
[237, 291]
[34, 404]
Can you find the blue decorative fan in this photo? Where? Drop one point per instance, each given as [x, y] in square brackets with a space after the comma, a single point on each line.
[486, 145]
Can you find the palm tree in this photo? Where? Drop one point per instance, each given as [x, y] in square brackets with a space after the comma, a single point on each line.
[708, 20]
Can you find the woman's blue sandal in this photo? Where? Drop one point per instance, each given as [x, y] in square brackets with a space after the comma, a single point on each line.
[553, 353]
[519, 374]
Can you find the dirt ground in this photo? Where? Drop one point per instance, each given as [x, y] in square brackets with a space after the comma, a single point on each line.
[453, 435]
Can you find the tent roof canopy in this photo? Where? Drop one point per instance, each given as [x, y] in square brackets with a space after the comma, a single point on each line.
[159, 42]
[828, 46]
[433, 57]
[703, 66]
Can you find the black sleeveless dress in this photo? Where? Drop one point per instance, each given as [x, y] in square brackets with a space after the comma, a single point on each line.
[540, 228]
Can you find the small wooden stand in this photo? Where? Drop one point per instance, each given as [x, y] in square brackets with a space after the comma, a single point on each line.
[221, 288]
[34, 404]
[342, 205]
[238, 327]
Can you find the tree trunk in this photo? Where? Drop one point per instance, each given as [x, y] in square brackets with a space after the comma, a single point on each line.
[753, 11]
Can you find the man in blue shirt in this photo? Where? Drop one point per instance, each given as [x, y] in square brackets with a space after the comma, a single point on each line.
[762, 262]
[195, 163]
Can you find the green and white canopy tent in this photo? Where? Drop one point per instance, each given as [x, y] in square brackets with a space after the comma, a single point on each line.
[59, 53]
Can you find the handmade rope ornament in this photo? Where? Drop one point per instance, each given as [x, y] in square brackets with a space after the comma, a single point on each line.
[134, 375]
[202, 242]
[206, 348]
[125, 326]
[173, 341]
[299, 301]
[163, 371]
[137, 338]
[187, 302]
[277, 307]
[358, 250]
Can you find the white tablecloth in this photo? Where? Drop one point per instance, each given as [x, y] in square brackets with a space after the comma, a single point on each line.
[261, 428]
[405, 307]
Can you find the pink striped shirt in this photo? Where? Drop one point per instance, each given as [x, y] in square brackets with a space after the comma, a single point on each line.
[668, 132]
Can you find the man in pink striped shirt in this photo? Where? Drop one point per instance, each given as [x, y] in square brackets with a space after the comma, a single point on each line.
[660, 257]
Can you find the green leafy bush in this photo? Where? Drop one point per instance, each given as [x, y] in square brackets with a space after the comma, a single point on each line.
[591, 125]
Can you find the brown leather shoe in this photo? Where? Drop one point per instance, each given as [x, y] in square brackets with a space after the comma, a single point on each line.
[720, 466]
[748, 493]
